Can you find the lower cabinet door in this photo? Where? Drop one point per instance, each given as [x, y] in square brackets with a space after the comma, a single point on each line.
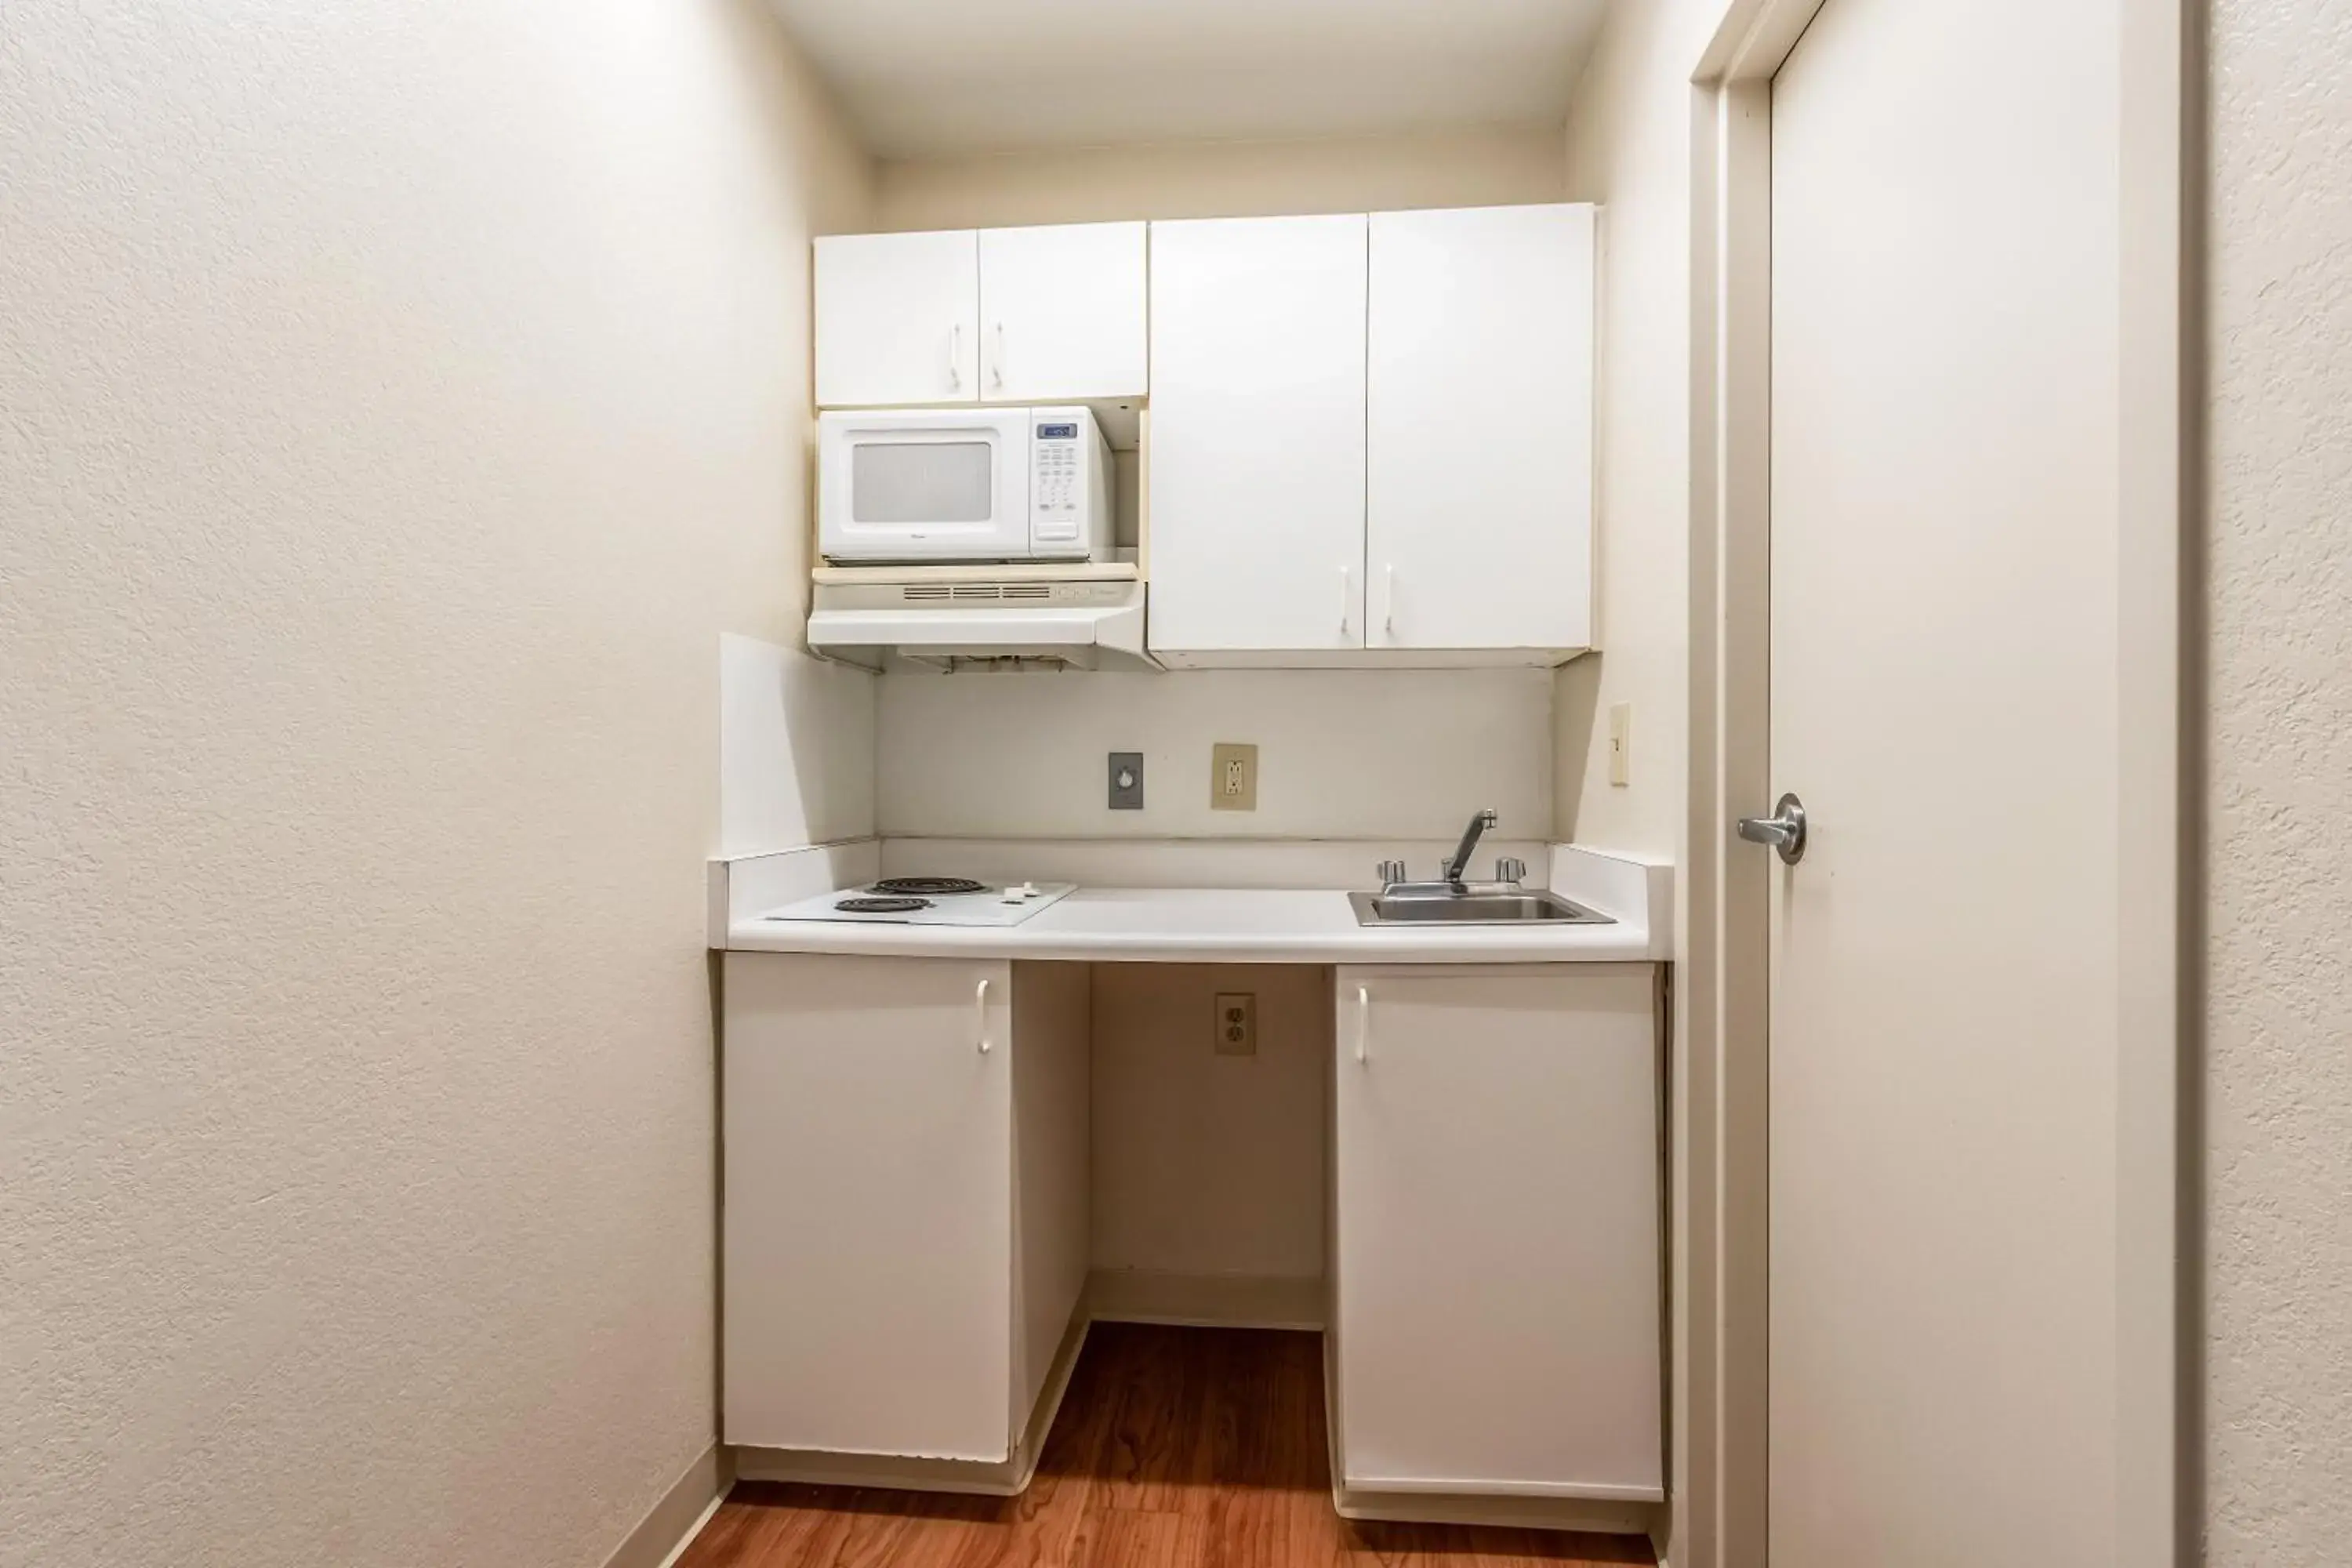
[1496, 1217]
[867, 1211]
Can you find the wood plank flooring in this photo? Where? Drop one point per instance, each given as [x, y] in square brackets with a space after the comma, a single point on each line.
[1174, 1448]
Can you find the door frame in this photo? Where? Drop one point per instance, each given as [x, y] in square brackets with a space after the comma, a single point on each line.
[1722, 1320]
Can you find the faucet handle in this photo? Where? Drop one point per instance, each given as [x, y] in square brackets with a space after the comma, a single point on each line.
[1391, 873]
[1511, 869]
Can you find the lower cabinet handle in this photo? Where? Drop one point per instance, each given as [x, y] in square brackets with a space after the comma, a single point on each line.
[1363, 1023]
[980, 999]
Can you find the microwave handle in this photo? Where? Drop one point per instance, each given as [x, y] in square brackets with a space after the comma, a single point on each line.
[955, 357]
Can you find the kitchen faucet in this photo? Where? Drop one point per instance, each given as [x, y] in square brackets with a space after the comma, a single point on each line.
[1452, 870]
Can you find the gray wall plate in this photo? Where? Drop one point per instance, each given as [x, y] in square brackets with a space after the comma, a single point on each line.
[1127, 781]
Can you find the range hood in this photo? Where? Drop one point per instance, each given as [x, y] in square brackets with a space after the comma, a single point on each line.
[981, 622]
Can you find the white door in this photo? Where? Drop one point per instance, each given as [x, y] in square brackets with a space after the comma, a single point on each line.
[1943, 958]
[1479, 496]
[898, 319]
[1257, 434]
[1062, 312]
[1497, 1218]
[868, 1227]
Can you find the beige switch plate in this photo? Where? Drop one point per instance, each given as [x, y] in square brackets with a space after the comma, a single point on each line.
[1620, 743]
[1232, 777]
[1237, 1022]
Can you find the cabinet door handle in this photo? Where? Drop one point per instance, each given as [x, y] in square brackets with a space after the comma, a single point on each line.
[1363, 1023]
[955, 357]
[980, 999]
[996, 366]
[1388, 593]
[1347, 580]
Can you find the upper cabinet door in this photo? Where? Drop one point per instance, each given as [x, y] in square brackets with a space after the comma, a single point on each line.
[1257, 434]
[1062, 312]
[1479, 511]
[898, 319]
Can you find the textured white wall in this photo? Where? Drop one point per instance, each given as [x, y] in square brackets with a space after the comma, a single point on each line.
[398, 402]
[1629, 140]
[1223, 179]
[2279, 794]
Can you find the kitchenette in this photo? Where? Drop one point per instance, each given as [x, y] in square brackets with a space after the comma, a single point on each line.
[1048, 1049]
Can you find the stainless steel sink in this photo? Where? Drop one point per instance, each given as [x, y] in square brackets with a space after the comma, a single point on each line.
[1476, 907]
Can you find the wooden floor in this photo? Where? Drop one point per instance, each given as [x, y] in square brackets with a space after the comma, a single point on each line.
[1175, 1448]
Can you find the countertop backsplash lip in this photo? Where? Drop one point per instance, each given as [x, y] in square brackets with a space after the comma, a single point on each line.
[1192, 900]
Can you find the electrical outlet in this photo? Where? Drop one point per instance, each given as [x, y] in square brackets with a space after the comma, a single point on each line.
[1237, 1022]
[1620, 743]
[1127, 781]
[1232, 777]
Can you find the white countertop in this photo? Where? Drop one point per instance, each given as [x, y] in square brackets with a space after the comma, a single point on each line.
[1219, 925]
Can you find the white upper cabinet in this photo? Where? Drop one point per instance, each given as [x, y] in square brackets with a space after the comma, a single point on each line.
[1256, 487]
[1062, 312]
[898, 319]
[1478, 530]
[1001, 315]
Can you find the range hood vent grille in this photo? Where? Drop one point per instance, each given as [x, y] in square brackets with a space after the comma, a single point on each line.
[975, 593]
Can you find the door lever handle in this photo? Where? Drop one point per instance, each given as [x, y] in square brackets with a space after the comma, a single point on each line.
[1784, 830]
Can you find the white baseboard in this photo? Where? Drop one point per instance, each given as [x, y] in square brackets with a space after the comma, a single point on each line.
[1206, 1301]
[679, 1515]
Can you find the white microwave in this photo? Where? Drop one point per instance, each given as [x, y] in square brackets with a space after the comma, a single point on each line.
[962, 484]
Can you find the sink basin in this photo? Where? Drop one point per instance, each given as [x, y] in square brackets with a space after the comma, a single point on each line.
[1473, 908]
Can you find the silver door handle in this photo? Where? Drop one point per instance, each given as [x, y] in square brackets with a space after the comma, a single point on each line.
[1784, 830]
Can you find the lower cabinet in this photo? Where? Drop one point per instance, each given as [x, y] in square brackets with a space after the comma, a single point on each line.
[905, 1213]
[1497, 1232]
[906, 1226]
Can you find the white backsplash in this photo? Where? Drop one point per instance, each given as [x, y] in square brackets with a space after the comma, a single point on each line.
[1356, 754]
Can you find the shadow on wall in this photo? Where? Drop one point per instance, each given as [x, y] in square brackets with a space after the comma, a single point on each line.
[1575, 714]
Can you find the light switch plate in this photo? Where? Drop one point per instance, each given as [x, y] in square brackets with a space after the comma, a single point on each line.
[1232, 776]
[1237, 1022]
[1127, 781]
[1620, 743]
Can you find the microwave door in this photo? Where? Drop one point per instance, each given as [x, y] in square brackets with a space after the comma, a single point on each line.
[953, 490]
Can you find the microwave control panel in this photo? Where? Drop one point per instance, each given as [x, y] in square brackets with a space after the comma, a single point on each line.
[1059, 482]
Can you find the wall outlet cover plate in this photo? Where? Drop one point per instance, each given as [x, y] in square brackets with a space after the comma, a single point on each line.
[1232, 776]
[1237, 1022]
[1127, 781]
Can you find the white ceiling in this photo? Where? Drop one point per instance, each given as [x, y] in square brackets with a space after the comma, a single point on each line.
[939, 78]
